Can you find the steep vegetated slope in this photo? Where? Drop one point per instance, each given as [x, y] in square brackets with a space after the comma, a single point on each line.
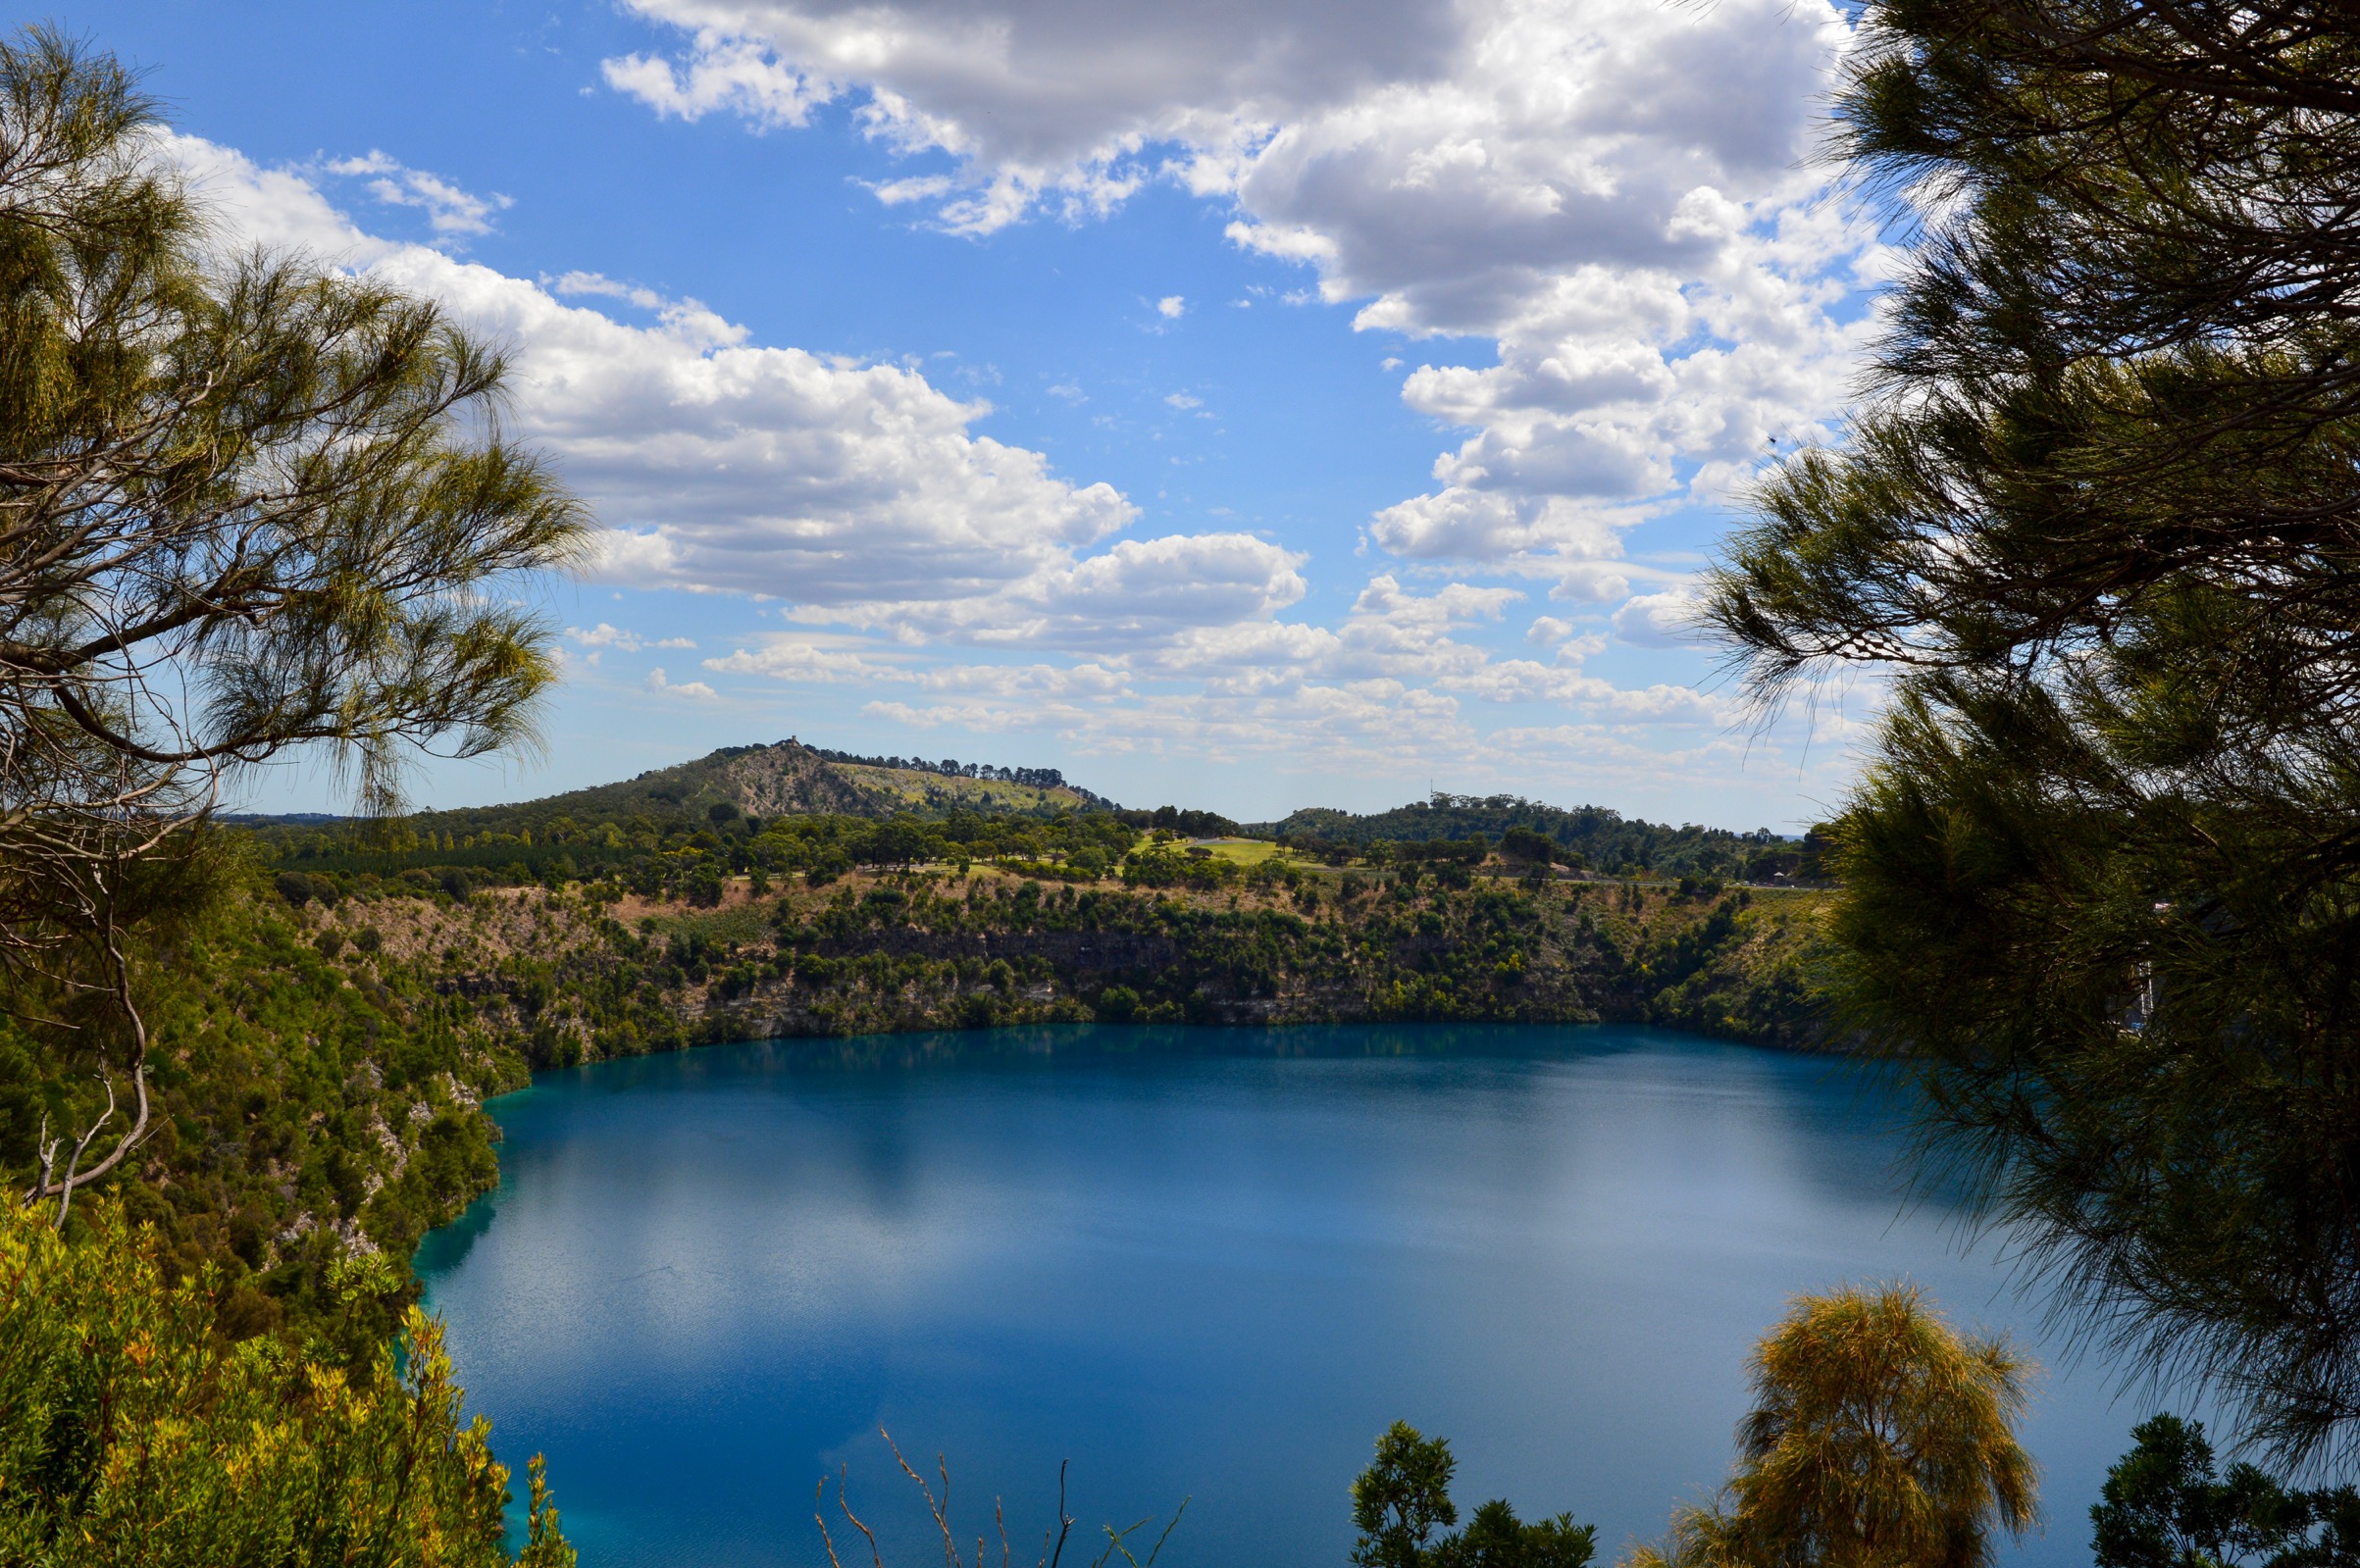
[311, 1103]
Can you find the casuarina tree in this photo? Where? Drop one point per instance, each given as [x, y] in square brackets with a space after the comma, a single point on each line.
[247, 503]
[1878, 1437]
[2095, 531]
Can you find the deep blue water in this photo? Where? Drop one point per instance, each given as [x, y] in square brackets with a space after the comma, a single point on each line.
[1206, 1263]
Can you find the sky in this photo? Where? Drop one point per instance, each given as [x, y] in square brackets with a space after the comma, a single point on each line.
[1246, 404]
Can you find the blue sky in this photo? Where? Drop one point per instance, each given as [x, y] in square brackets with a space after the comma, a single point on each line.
[1250, 406]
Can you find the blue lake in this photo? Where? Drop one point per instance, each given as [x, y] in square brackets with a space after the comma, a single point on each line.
[1193, 1263]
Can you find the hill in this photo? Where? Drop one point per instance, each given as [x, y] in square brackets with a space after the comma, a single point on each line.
[790, 778]
[785, 778]
[1591, 836]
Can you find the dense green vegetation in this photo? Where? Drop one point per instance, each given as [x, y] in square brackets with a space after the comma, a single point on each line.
[2166, 1504]
[1404, 1498]
[1162, 939]
[2098, 520]
[133, 1430]
[305, 1109]
[1587, 835]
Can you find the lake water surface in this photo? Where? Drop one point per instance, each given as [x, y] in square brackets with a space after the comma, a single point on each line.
[1193, 1262]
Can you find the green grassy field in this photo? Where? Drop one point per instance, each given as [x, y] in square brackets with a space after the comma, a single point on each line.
[1242, 851]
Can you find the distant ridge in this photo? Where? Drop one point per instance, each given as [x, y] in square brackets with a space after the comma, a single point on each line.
[788, 778]
[1605, 839]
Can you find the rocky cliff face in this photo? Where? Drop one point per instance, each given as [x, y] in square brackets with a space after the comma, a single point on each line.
[759, 781]
[770, 781]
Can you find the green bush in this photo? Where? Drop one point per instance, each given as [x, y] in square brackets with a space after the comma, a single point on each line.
[2164, 1505]
[1404, 1496]
[131, 1433]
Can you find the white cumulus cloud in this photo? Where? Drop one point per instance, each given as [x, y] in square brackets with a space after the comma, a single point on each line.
[450, 210]
[687, 690]
[961, 578]
[1659, 619]
[1617, 193]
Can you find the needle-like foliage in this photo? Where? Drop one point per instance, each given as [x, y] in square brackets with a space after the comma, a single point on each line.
[2099, 524]
[246, 503]
[1879, 1438]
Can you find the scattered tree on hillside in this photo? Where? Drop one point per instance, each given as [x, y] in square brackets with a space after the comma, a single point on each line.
[2100, 524]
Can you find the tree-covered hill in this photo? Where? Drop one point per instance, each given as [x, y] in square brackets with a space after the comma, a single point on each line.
[1592, 837]
[781, 778]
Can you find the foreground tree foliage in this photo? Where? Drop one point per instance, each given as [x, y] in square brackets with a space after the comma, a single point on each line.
[2166, 1506]
[1879, 1436]
[131, 1433]
[1405, 1495]
[2099, 523]
[246, 504]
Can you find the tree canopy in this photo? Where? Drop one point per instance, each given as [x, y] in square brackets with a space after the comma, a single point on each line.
[2097, 523]
[1879, 1436]
[1405, 1495]
[246, 502]
[2166, 1506]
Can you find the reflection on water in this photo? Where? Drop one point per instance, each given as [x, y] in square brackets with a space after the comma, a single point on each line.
[1197, 1262]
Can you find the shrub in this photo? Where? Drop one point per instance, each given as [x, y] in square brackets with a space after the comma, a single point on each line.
[131, 1431]
[1404, 1496]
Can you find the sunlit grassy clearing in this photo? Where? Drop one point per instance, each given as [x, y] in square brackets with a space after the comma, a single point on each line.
[1243, 851]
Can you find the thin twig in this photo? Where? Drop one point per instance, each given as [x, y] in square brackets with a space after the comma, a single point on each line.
[1064, 1525]
[940, 1510]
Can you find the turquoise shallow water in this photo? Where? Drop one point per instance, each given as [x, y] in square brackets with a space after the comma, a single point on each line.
[1206, 1263]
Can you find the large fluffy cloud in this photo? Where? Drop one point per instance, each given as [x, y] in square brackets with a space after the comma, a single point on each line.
[1616, 193]
[719, 464]
[894, 536]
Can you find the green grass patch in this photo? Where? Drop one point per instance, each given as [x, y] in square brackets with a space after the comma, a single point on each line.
[1242, 851]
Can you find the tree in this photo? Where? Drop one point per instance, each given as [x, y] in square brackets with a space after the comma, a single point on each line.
[2164, 1506]
[1405, 1494]
[2097, 522]
[246, 503]
[1879, 1436]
